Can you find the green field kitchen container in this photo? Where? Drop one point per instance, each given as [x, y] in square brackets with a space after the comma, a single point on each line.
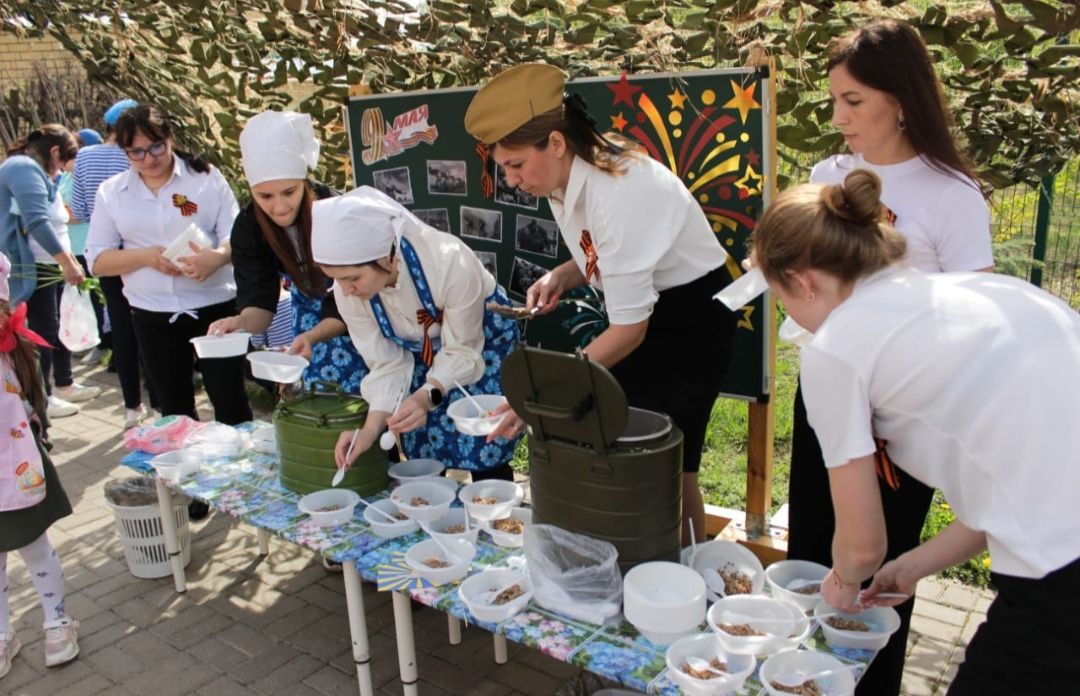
[596, 466]
[307, 430]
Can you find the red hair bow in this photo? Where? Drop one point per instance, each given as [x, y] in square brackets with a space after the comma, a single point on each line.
[16, 325]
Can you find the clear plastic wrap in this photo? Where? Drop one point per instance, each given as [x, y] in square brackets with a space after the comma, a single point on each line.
[573, 574]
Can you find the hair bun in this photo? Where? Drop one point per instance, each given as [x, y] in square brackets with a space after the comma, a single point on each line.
[858, 199]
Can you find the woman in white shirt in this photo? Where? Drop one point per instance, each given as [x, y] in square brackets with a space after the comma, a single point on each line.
[971, 379]
[415, 303]
[137, 214]
[889, 106]
[636, 233]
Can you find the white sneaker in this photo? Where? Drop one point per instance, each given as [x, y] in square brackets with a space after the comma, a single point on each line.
[58, 408]
[61, 641]
[93, 357]
[134, 416]
[9, 648]
[76, 393]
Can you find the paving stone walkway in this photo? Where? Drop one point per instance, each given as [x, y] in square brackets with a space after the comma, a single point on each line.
[277, 624]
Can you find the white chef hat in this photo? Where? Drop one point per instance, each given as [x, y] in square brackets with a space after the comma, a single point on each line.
[358, 227]
[278, 145]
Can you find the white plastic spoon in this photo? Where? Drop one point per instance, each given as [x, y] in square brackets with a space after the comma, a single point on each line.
[340, 474]
[693, 542]
[714, 582]
[793, 679]
[799, 583]
[474, 402]
[699, 665]
[387, 439]
[451, 557]
[376, 510]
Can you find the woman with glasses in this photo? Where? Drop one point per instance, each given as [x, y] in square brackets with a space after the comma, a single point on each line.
[35, 238]
[139, 213]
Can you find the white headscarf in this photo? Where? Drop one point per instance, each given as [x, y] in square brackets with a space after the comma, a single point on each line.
[278, 145]
[358, 227]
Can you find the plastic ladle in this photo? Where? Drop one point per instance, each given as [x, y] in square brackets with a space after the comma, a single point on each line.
[474, 402]
[340, 473]
[795, 679]
[699, 665]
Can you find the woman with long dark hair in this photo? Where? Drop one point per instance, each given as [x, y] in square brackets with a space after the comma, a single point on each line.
[889, 106]
[634, 231]
[271, 242]
[137, 215]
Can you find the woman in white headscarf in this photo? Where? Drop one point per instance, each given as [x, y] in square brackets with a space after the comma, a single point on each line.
[271, 241]
[415, 302]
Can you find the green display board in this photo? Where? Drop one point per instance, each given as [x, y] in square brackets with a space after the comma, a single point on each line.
[708, 127]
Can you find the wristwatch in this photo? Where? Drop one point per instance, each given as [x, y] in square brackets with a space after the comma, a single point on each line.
[434, 393]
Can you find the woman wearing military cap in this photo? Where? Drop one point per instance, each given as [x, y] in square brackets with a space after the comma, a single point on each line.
[635, 232]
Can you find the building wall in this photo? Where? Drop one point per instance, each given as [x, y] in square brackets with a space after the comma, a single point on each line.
[18, 56]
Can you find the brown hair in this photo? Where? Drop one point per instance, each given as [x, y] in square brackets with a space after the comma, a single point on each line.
[37, 143]
[304, 272]
[155, 125]
[890, 56]
[24, 361]
[837, 228]
[606, 151]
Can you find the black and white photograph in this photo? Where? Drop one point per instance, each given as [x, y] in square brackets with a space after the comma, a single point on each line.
[489, 260]
[479, 223]
[438, 218]
[446, 177]
[523, 275]
[395, 183]
[512, 195]
[537, 236]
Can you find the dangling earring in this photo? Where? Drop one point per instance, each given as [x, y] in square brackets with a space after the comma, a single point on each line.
[810, 297]
[900, 122]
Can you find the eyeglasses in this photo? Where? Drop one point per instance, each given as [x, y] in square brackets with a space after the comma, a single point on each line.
[138, 154]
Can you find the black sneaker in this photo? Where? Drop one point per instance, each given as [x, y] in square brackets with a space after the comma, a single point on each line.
[198, 510]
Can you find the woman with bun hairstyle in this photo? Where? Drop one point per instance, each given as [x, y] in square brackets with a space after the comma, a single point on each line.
[971, 380]
[890, 108]
[635, 232]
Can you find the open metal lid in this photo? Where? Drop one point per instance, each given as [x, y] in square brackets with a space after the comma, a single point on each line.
[565, 396]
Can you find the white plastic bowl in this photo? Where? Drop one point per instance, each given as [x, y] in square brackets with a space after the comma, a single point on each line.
[664, 601]
[342, 499]
[277, 367]
[415, 470]
[179, 464]
[508, 494]
[453, 516]
[437, 495]
[384, 528]
[707, 647]
[720, 554]
[808, 662]
[468, 421]
[792, 628]
[179, 248]
[782, 573]
[429, 548]
[476, 591]
[228, 345]
[264, 439]
[883, 622]
[510, 540]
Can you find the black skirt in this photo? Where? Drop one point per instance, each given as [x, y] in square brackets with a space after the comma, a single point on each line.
[679, 367]
[19, 528]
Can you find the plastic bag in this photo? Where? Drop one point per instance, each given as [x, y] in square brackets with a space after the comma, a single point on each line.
[78, 325]
[573, 574]
[217, 440]
[132, 492]
[163, 435]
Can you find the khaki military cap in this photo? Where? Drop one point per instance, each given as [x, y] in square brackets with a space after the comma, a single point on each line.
[513, 98]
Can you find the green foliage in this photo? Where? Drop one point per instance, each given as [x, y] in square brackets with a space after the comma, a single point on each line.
[1011, 68]
[972, 572]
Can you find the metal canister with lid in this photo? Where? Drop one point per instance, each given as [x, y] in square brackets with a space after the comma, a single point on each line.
[597, 466]
[307, 429]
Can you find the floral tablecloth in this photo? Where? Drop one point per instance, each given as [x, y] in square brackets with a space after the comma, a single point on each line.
[247, 488]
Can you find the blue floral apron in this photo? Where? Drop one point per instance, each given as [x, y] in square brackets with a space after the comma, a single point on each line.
[439, 439]
[335, 360]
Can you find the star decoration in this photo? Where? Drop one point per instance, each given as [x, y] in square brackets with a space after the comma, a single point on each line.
[618, 122]
[753, 158]
[744, 183]
[743, 99]
[677, 99]
[624, 92]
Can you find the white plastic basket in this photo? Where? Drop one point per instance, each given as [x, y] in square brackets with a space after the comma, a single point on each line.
[144, 541]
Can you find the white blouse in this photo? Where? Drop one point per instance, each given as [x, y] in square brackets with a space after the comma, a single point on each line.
[128, 215]
[648, 231]
[459, 285]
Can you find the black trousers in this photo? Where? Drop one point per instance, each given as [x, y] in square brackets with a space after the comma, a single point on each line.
[125, 345]
[1028, 643]
[165, 340]
[43, 317]
[677, 370]
[812, 521]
